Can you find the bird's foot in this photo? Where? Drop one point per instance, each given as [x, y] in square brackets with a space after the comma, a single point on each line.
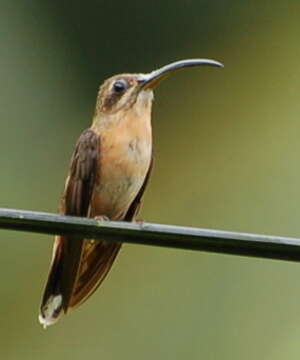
[139, 221]
[102, 218]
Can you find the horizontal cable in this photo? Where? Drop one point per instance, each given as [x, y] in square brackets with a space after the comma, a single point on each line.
[182, 237]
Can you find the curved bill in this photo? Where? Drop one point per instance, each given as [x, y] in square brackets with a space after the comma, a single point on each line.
[152, 79]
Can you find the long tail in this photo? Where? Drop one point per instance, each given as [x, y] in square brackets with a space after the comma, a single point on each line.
[78, 267]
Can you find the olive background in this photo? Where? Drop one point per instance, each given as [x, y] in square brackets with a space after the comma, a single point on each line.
[227, 156]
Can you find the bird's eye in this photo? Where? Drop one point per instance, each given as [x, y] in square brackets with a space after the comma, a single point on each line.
[120, 86]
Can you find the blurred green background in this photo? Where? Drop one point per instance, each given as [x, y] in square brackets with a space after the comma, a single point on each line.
[227, 157]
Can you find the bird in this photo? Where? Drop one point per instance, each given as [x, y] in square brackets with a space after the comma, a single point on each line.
[108, 174]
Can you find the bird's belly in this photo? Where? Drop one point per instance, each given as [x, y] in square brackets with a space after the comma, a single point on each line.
[123, 171]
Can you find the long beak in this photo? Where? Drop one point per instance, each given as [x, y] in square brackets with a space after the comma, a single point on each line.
[152, 79]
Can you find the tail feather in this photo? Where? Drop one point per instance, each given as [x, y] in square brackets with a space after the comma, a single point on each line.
[51, 310]
[78, 267]
[96, 262]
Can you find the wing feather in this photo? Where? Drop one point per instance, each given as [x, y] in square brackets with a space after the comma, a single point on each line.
[67, 251]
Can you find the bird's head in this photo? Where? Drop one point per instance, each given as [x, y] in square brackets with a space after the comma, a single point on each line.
[134, 92]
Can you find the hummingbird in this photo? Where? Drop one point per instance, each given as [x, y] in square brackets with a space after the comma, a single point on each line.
[108, 174]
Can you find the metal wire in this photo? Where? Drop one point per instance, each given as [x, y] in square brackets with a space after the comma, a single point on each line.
[181, 237]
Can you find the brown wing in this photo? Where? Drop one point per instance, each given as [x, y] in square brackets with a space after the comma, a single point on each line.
[83, 174]
[136, 204]
[98, 256]
[67, 252]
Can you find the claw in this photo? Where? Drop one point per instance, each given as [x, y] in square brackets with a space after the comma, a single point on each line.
[102, 218]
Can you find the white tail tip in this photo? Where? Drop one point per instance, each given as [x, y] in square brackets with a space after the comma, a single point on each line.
[50, 312]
